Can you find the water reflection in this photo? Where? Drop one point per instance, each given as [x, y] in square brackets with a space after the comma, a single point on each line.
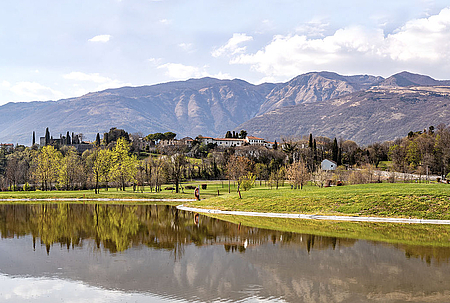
[118, 227]
[158, 253]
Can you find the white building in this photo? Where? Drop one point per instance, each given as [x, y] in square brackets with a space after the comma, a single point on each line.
[228, 142]
[328, 165]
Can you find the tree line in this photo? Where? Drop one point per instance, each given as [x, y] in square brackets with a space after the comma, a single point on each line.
[118, 164]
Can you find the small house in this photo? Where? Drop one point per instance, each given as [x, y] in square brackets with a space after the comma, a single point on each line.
[328, 165]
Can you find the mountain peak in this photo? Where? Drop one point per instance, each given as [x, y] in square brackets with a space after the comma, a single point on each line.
[405, 78]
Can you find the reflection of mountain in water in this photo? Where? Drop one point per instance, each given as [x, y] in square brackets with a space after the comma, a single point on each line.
[288, 266]
[119, 227]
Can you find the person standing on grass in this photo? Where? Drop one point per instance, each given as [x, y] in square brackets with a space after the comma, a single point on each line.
[197, 193]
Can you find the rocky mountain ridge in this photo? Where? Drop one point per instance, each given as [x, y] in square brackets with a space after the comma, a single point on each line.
[373, 115]
[204, 106]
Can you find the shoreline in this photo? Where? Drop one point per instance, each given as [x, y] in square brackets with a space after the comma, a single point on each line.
[94, 199]
[343, 218]
[315, 217]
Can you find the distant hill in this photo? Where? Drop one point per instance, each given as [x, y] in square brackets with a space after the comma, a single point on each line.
[405, 79]
[199, 106]
[376, 114]
[211, 106]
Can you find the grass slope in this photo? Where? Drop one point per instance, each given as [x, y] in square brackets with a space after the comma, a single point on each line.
[427, 201]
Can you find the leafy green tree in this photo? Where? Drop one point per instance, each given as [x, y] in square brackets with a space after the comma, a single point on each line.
[169, 136]
[247, 181]
[115, 134]
[47, 165]
[100, 162]
[242, 134]
[123, 169]
[69, 169]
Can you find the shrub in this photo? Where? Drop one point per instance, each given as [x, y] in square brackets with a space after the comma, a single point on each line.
[246, 182]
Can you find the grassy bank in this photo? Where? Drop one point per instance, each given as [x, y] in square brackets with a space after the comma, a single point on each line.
[427, 201]
[408, 234]
[113, 193]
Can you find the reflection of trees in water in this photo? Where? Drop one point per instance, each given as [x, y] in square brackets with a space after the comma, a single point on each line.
[428, 253]
[119, 227]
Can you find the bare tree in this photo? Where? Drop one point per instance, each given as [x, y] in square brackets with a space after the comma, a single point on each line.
[298, 174]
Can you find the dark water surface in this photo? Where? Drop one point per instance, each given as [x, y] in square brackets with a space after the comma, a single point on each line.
[113, 253]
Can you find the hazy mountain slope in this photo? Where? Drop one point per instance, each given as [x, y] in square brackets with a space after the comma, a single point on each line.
[210, 107]
[200, 106]
[315, 87]
[376, 114]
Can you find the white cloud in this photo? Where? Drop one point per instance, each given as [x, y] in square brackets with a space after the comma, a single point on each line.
[186, 46]
[420, 44]
[156, 61]
[79, 76]
[165, 21]
[103, 82]
[35, 91]
[232, 46]
[314, 28]
[180, 72]
[101, 38]
[420, 39]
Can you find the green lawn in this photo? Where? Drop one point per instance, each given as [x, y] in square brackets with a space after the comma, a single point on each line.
[428, 201]
[113, 193]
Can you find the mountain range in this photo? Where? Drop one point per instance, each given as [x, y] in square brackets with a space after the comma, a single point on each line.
[362, 108]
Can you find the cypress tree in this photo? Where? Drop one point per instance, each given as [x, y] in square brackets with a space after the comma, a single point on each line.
[335, 150]
[97, 140]
[47, 136]
[275, 145]
[311, 146]
[34, 138]
[68, 141]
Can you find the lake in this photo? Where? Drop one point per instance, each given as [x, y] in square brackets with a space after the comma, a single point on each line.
[148, 253]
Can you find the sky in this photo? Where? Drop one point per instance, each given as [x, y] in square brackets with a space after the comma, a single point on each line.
[53, 49]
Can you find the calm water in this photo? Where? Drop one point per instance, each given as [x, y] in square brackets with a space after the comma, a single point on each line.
[100, 253]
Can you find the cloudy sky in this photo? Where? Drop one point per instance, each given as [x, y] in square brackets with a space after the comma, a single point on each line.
[53, 49]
